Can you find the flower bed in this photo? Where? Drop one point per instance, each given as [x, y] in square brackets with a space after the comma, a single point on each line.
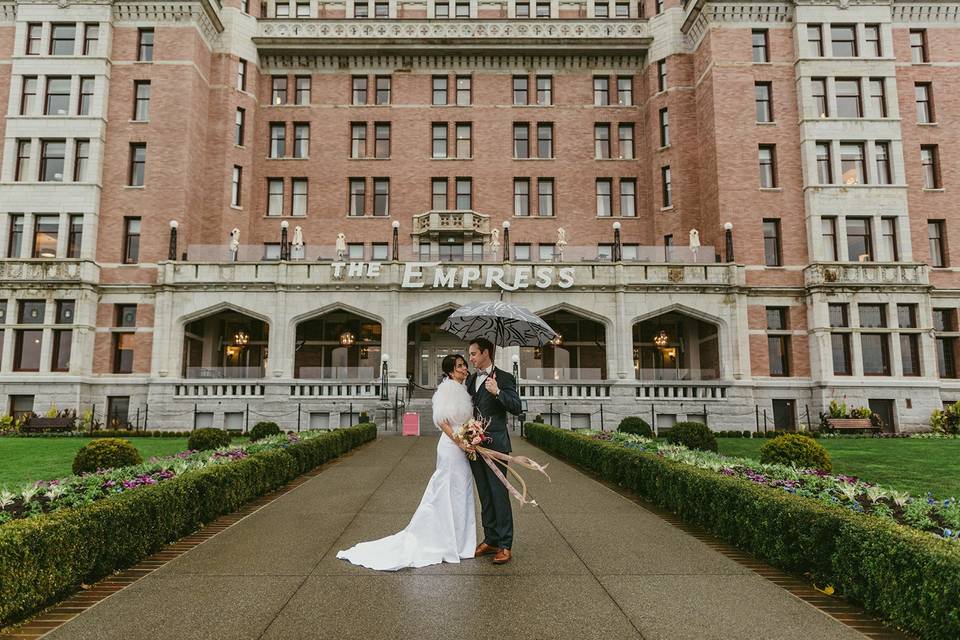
[900, 574]
[47, 555]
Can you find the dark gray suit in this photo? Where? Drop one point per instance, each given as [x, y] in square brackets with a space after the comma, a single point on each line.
[495, 512]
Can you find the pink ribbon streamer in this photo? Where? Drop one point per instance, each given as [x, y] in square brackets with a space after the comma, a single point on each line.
[490, 456]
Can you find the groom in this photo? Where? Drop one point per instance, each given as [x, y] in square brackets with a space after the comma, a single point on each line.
[494, 393]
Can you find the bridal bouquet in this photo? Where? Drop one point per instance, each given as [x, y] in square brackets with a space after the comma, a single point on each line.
[473, 432]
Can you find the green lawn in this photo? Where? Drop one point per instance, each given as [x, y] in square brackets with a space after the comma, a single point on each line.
[917, 466]
[29, 459]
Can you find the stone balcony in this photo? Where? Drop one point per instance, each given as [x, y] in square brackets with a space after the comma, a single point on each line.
[866, 274]
[49, 272]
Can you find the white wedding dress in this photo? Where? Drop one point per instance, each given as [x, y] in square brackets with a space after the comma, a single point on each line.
[443, 528]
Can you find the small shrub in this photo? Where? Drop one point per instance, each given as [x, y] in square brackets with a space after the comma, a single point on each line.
[693, 435]
[795, 449]
[636, 426]
[263, 429]
[206, 439]
[105, 453]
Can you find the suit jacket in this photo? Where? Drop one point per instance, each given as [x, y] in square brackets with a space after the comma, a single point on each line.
[495, 408]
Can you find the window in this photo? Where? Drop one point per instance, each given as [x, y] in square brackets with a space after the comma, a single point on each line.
[381, 142]
[601, 91]
[383, 90]
[302, 90]
[815, 39]
[521, 252]
[521, 90]
[439, 140]
[871, 38]
[464, 84]
[521, 196]
[274, 196]
[778, 344]
[628, 197]
[361, 10]
[545, 196]
[438, 194]
[239, 125]
[52, 160]
[665, 127]
[601, 141]
[662, 75]
[131, 240]
[381, 196]
[28, 96]
[924, 103]
[625, 140]
[462, 9]
[34, 34]
[441, 9]
[844, 40]
[26, 354]
[58, 97]
[359, 90]
[938, 244]
[301, 140]
[521, 140]
[236, 186]
[86, 96]
[141, 100]
[878, 98]
[281, 10]
[464, 194]
[303, 9]
[358, 196]
[62, 338]
[666, 186]
[544, 140]
[45, 231]
[930, 166]
[123, 341]
[75, 236]
[522, 9]
[852, 163]
[909, 342]
[358, 140]
[145, 45]
[91, 35]
[543, 9]
[601, 10]
[23, 160]
[918, 46]
[604, 197]
[848, 98]
[840, 342]
[761, 52]
[884, 175]
[604, 252]
[278, 139]
[242, 75]
[771, 243]
[544, 90]
[625, 91]
[62, 38]
[818, 88]
[828, 231]
[81, 158]
[31, 312]
[622, 9]
[764, 101]
[888, 239]
[824, 163]
[15, 239]
[859, 240]
[464, 140]
[944, 321]
[299, 189]
[278, 90]
[381, 9]
[546, 252]
[768, 166]
[875, 346]
[380, 251]
[440, 90]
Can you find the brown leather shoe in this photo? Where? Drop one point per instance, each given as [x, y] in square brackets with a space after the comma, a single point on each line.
[503, 556]
[483, 549]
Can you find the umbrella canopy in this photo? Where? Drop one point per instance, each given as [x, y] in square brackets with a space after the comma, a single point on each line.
[502, 323]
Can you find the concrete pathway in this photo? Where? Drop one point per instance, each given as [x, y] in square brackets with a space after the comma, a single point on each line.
[588, 564]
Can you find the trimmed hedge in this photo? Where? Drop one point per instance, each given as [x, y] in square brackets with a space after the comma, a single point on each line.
[206, 439]
[907, 577]
[44, 559]
[693, 435]
[635, 425]
[105, 453]
[263, 429]
[797, 450]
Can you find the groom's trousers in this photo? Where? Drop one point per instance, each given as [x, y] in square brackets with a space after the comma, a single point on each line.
[496, 514]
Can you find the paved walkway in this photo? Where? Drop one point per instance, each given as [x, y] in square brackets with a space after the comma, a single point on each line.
[588, 564]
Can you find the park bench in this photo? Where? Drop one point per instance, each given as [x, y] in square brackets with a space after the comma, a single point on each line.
[48, 425]
[852, 424]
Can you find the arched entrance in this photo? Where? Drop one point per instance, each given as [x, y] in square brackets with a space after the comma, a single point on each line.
[579, 351]
[675, 346]
[225, 344]
[427, 345]
[338, 345]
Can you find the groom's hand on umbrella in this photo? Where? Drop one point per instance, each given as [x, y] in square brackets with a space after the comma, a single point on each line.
[491, 384]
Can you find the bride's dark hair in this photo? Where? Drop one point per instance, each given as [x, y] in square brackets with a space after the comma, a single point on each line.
[449, 363]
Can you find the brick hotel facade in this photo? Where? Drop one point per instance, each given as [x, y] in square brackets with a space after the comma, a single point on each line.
[728, 210]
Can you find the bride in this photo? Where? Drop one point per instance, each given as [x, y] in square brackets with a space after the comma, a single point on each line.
[443, 528]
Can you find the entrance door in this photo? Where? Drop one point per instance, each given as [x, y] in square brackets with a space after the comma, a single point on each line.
[784, 415]
[887, 411]
[431, 358]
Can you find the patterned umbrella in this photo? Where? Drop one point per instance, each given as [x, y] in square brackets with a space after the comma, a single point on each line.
[502, 323]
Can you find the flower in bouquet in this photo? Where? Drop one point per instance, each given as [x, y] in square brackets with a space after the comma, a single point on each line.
[473, 433]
